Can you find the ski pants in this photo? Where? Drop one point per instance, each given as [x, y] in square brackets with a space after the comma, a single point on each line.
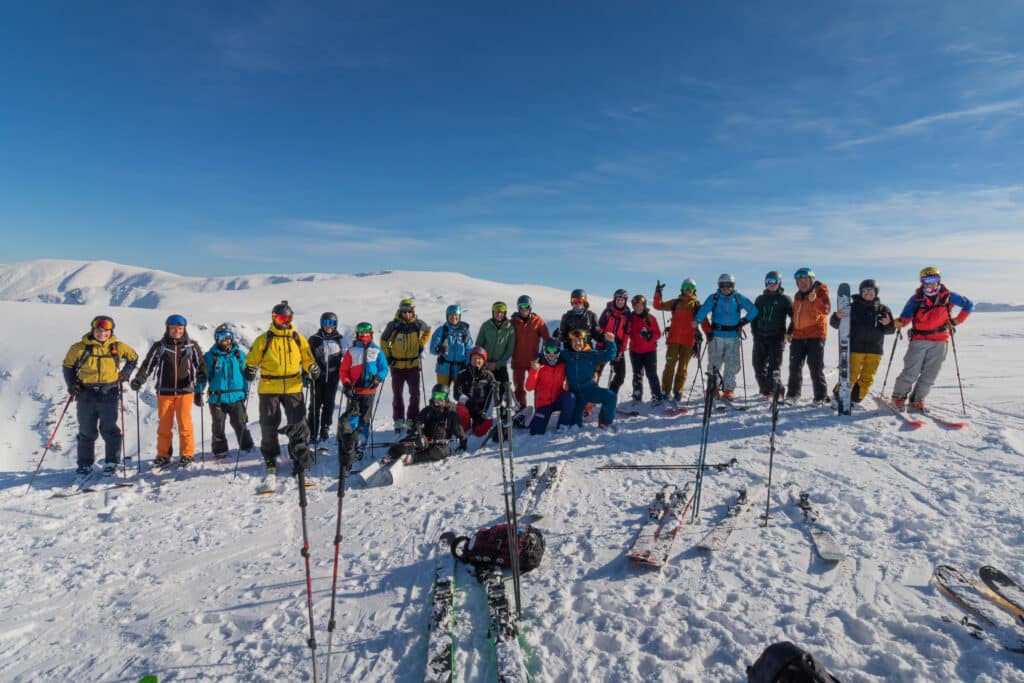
[564, 405]
[170, 408]
[405, 377]
[321, 405]
[863, 367]
[519, 382]
[921, 366]
[767, 359]
[813, 352]
[354, 428]
[481, 423]
[724, 355]
[677, 359]
[594, 394]
[271, 406]
[236, 413]
[98, 408]
[618, 373]
[644, 363]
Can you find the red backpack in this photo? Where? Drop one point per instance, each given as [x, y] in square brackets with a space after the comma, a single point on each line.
[490, 546]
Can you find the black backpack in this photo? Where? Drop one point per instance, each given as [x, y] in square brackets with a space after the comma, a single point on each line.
[489, 546]
[784, 662]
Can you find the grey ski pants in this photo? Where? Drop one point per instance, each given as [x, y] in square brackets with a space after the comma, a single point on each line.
[921, 366]
[724, 354]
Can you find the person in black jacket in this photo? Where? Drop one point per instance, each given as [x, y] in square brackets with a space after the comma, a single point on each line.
[432, 431]
[870, 321]
[769, 330]
[325, 345]
[579, 317]
[178, 365]
[475, 389]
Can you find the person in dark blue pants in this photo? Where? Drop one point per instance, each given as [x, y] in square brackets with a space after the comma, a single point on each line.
[581, 363]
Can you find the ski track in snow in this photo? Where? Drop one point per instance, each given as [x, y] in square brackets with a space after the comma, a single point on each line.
[200, 579]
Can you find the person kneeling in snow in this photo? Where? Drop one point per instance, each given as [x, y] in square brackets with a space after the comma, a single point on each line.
[432, 431]
[547, 381]
[581, 363]
[475, 388]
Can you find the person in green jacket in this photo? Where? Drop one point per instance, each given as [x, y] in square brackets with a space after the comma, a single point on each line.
[498, 337]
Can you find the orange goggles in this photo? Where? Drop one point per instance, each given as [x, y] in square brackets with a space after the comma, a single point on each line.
[103, 324]
[281, 319]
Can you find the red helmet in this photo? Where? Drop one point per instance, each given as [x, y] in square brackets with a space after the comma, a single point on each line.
[478, 351]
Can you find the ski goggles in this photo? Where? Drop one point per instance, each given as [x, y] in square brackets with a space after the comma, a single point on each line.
[103, 324]
[223, 334]
[726, 285]
[525, 307]
[176, 320]
[328, 322]
[552, 348]
[439, 396]
[281, 318]
[772, 281]
[930, 280]
[578, 301]
[578, 334]
[499, 308]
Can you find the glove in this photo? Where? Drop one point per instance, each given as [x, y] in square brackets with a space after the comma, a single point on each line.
[659, 287]
[197, 398]
[421, 442]
[75, 388]
[249, 373]
[314, 372]
[123, 375]
[442, 350]
[348, 391]
[135, 384]
[646, 334]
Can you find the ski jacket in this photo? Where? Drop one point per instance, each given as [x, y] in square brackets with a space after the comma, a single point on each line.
[529, 334]
[403, 341]
[684, 308]
[475, 388]
[644, 333]
[364, 367]
[810, 318]
[96, 364]
[616, 321]
[224, 375]
[584, 320]
[498, 340]
[548, 383]
[451, 345]
[439, 424]
[772, 310]
[327, 352]
[580, 366]
[178, 364]
[725, 313]
[281, 354]
[867, 333]
[931, 315]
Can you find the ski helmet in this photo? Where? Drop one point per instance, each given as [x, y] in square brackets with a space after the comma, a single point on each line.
[478, 351]
[689, 285]
[552, 345]
[454, 309]
[929, 271]
[727, 279]
[499, 307]
[772, 277]
[639, 299]
[621, 293]
[104, 322]
[176, 319]
[406, 305]
[803, 272]
[439, 392]
[364, 330]
[524, 302]
[223, 331]
[578, 294]
[282, 309]
[329, 319]
[869, 284]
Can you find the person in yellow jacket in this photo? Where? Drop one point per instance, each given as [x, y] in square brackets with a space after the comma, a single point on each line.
[94, 369]
[403, 341]
[281, 356]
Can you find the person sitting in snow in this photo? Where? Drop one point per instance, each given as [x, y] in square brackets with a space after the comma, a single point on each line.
[475, 390]
[432, 431]
[581, 362]
[551, 393]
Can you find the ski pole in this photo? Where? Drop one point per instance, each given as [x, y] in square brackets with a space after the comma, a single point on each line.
[516, 575]
[49, 443]
[512, 523]
[952, 339]
[334, 582]
[699, 373]
[138, 435]
[892, 354]
[202, 435]
[305, 556]
[776, 397]
[709, 398]
[315, 421]
[717, 466]
[124, 448]
[743, 367]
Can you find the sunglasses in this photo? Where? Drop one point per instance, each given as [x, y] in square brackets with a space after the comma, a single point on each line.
[439, 396]
[281, 319]
[223, 335]
[103, 324]
[328, 322]
[176, 320]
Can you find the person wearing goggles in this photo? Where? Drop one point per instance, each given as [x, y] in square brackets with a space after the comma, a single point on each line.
[432, 432]
[530, 333]
[94, 368]
[870, 321]
[806, 336]
[282, 358]
[616, 319]
[475, 390]
[581, 363]
[363, 369]
[644, 334]
[774, 311]
[227, 390]
[451, 343]
[729, 311]
[498, 338]
[929, 312]
[682, 339]
[325, 345]
[403, 341]
[546, 380]
[578, 317]
[177, 363]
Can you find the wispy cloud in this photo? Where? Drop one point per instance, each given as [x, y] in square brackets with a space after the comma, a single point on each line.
[922, 123]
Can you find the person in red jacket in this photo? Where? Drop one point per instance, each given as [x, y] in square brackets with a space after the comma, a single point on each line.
[530, 331]
[615, 319]
[547, 380]
[644, 334]
[808, 328]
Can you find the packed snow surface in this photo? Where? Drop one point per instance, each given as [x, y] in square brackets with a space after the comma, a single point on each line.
[201, 579]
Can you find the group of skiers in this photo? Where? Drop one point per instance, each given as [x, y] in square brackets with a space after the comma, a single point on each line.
[561, 368]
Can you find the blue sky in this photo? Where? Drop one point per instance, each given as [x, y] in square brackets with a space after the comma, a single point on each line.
[571, 144]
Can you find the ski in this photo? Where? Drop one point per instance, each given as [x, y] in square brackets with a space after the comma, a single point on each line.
[902, 414]
[502, 630]
[385, 471]
[537, 499]
[719, 534]
[966, 593]
[844, 405]
[824, 542]
[1011, 594]
[441, 638]
[949, 423]
[665, 517]
[92, 489]
[627, 413]
[724, 404]
[673, 411]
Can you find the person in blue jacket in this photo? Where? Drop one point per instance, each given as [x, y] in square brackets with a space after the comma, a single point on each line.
[726, 307]
[581, 362]
[451, 344]
[227, 390]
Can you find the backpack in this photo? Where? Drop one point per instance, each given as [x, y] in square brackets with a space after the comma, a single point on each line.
[784, 662]
[489, 546]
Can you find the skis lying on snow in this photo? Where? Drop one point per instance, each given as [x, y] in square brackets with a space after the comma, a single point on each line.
[502, 630]
[538, 495]
[271, 484]
[979, 603]
[384, 472]
[1011, 594]
[441, 639]
[718, 536]
[653, 545]
[726, 403]
[826, 545]
[627, 413]
[672, 411]
[902, 414]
